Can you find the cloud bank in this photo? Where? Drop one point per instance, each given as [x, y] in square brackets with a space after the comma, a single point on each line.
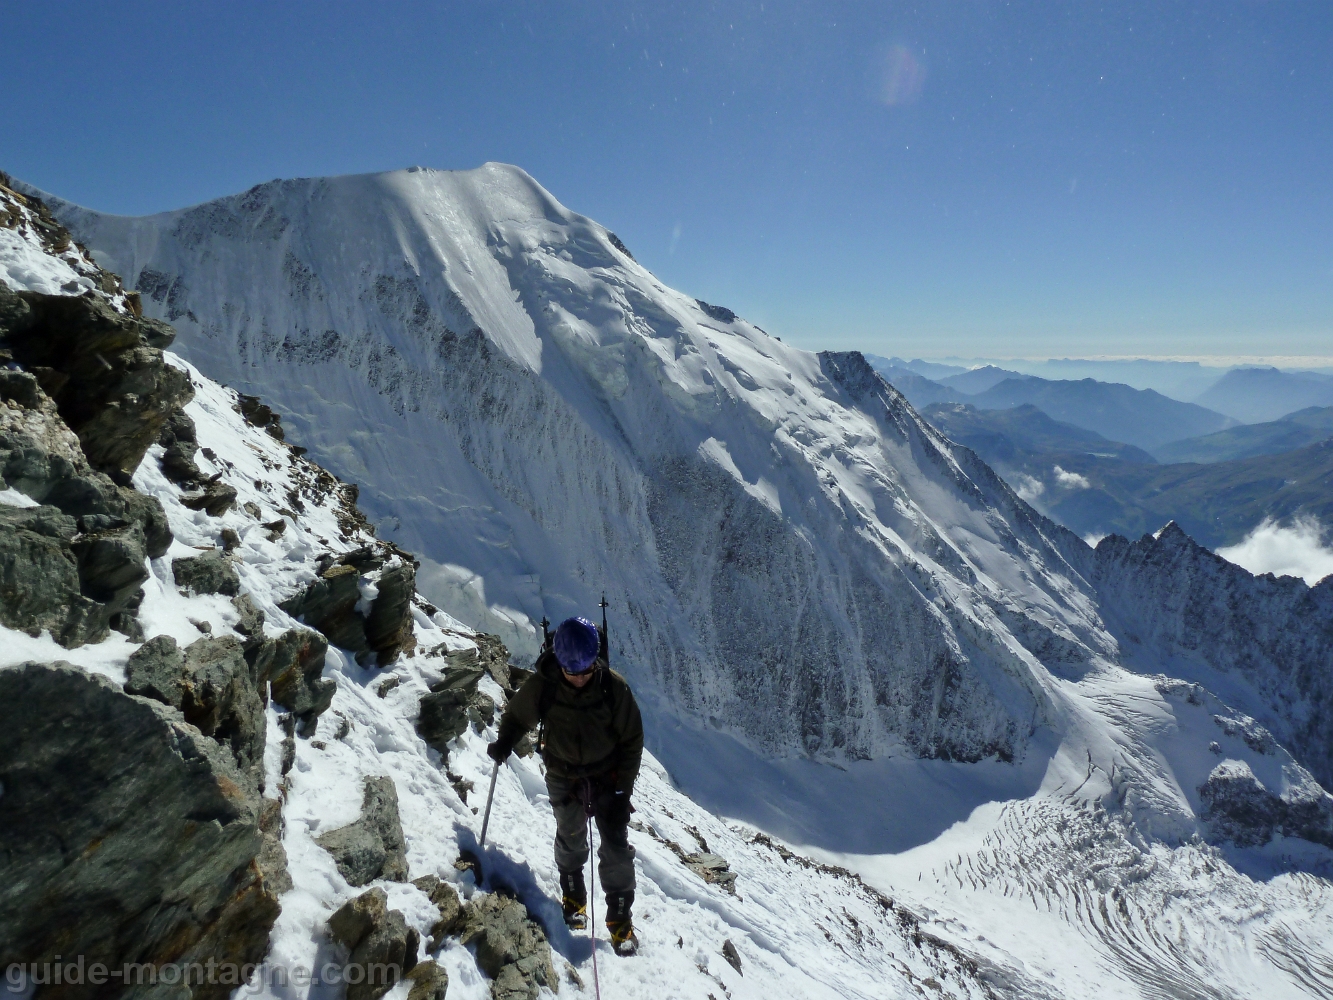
[1295, 550]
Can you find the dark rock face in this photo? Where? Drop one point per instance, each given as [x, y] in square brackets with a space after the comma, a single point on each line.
[378, 940]
[1240, 809]
[107, 534]
[329, 604]
[511, 947]
[454, 702]
[294, 663]
[210, 573]
[1170, 596]
[389, 625]
[213, 686]
[39, 578]
[372, 847]
[215, 499]
[104, 370]
[126, 835]
[180, 444]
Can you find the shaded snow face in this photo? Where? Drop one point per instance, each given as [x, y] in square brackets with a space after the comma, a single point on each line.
[539, 418]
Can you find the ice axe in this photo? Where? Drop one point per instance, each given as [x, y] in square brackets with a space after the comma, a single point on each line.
[472, 859]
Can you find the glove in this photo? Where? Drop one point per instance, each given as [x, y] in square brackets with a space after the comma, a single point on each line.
[613, 807]
[499, 752]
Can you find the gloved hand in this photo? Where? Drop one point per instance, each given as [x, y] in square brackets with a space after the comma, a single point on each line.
[613, 806]
[499, 752]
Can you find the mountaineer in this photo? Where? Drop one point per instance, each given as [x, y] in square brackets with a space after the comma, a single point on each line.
[591, 740]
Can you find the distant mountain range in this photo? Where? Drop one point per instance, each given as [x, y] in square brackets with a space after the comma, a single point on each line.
[1295, 430]
[1216, 504]
[1253, 395]
[1140, 417]
[1095, 486]
[1014, 437]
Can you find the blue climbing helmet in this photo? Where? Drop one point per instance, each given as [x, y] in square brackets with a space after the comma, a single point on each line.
[576, 645]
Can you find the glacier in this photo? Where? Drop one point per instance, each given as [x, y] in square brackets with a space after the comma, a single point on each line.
[848, 631]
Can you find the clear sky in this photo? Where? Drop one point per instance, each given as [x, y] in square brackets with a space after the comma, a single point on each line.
[943, 178]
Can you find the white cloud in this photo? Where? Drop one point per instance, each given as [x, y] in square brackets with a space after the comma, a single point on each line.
[1093, 537]
[1028, 488]
[1297, 550]
[1071, 480]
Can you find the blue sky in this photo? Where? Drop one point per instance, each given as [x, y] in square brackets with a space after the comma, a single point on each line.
[954, 178]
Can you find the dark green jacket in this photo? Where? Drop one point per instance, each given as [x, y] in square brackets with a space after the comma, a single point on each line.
[594, 730]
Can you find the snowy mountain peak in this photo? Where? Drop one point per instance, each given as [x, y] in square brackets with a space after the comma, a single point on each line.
[845, 629]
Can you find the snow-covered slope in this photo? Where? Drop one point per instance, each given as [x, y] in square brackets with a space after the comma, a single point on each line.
[792, 558]
[801, 560]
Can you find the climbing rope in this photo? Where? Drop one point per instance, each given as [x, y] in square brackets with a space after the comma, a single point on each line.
[592, 885]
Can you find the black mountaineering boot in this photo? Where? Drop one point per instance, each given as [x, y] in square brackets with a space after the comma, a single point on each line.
[618, 922]
[574, 899]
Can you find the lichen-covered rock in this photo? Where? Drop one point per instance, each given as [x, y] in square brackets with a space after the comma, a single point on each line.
[378, 941]
[429, 981]
[510, 946]
[213, 686]
[293, 663]
[445, 898]
[209, 573]
[126, 835]
[372, 847]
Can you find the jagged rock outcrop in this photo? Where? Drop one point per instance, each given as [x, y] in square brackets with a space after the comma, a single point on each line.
[76, 564]
[126, 835]
[1240, 809]
[450, 908]
[510, 946]
[214, 688]
[454, 702]
[364, 578]
[293, 663]
[103, 368]
[378, 940]
[1167, 596]
[210, 573]
[372, 847]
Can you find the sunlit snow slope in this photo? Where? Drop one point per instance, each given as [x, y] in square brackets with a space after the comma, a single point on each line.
[791, 556]
[804, 561]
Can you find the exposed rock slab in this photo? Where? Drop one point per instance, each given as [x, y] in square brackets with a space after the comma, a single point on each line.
[209, 573]
[126, 835]
[378, 940]
[372, 847]
[510, 947]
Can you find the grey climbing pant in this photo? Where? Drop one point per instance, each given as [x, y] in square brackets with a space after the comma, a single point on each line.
[615, 855]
